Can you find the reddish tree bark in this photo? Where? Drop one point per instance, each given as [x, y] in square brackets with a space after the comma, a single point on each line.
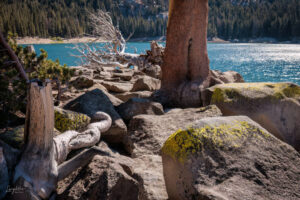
[186, 64]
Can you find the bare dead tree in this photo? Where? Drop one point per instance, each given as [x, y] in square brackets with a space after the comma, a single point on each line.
[112, 52]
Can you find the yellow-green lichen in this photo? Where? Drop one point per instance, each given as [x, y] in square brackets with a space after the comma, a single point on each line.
[218, 96]
[183, 143]
[275, 91]
[67, 120]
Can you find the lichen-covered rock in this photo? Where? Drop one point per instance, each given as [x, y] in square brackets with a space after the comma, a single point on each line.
[275, 106]
[229, 158]
[148, 132]
[137, 106]
[146, 83]
[69, 120]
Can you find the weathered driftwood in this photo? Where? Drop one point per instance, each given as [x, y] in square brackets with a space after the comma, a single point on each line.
[186, 65]
[38, 170]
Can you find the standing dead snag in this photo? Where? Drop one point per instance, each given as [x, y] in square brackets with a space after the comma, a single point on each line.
[38, 166]
[186, 65]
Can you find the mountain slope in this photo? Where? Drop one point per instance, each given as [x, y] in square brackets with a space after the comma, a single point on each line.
[228, 19]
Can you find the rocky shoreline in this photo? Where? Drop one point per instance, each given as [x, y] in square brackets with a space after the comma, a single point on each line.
[155, 152]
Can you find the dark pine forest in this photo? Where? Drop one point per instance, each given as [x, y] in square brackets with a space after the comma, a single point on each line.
[228, 19]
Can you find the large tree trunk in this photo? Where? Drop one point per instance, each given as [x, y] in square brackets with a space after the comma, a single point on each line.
[186, 65]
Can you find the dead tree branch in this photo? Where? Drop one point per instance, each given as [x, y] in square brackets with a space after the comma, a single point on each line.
[14, 57]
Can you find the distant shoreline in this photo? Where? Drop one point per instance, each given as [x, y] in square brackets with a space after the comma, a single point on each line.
[37, 40]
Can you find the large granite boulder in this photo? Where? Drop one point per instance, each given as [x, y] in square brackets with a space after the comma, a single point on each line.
[275, 106]
[148, 132]
[229, 158]
[146, 83]
[94, 101]
[69, 120]
[137, 106]
[116, 177]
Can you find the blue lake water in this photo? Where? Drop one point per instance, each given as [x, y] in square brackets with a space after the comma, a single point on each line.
[255, 62]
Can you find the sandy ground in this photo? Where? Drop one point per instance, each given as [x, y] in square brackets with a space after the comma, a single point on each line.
[37, 40]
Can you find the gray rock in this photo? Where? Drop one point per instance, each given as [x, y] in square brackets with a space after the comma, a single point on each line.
[137, 106]
[128, 95]
[146, 83]
[96, 100]
[116, 177]
[117, 87]
[148, 132]
[229, 158]
[226, 77]
[153, 71]
[126, 76]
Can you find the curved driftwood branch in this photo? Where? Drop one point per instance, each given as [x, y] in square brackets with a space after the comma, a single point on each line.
[72, 140]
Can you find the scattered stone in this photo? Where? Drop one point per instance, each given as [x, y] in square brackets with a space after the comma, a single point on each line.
[226, 77]
[69, 120]
[229, 158]
[149, 132]
[137, 106]
[275, 106]
[94, 101]
[126, 76]
[146, 83]
[128, 95]
[82, 82]
[82, 71]
[153, 71]
[117, 87]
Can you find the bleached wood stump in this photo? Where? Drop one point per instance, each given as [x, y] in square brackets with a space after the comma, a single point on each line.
[37, 167]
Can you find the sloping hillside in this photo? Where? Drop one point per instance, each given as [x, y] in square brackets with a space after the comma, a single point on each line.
[228, 19]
